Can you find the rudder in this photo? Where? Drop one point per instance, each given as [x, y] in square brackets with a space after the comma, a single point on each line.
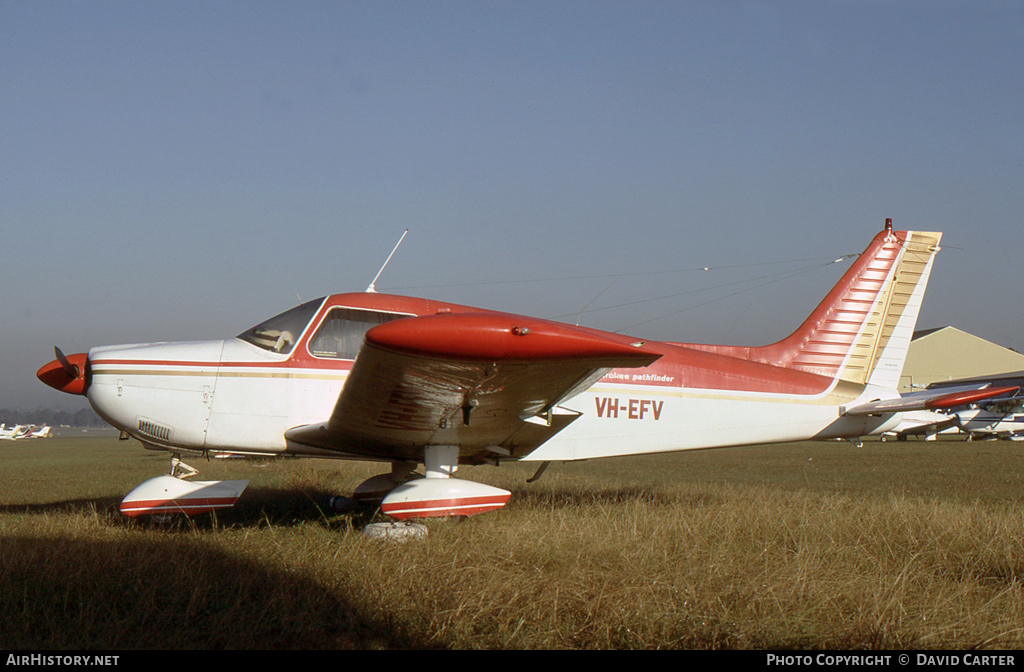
[861, 331]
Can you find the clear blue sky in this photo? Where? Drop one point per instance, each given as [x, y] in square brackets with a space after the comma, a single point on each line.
[183, 170]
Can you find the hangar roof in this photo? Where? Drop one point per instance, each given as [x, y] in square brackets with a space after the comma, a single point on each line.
[948, 353]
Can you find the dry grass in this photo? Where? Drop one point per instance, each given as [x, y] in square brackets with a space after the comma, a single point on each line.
[908, 545]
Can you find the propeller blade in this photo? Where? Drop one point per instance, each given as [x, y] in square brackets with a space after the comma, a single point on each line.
[68, 367]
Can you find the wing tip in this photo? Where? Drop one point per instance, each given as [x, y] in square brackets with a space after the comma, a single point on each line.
[502, 337]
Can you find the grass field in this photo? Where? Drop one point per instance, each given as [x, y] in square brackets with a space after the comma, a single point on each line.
[813, 545]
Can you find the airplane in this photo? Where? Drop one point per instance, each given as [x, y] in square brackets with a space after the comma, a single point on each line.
[12, 433]
[410, 381]
[921, 423]
[1000, 416]
[994, 420]
[38, 432]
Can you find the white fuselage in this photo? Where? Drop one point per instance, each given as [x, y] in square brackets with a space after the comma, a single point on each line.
[991, 422]
[230, 396]
[12, 433]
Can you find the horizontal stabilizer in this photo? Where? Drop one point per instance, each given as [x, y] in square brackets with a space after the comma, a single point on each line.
[931, 400]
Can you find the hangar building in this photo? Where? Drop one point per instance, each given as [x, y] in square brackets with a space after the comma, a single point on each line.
[947, 353]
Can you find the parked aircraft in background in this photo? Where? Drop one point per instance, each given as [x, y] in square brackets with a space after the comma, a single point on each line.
[24, 432]
[1001, 416]
[12, 433]
[410, 381]
[992, 421]
[921, 423]
[38, 432]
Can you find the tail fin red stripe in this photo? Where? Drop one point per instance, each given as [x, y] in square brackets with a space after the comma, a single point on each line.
[865, 322]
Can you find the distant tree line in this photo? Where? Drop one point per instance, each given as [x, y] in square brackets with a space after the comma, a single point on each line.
[48, 416]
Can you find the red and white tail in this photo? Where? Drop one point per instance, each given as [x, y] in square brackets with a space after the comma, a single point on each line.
[861, 331]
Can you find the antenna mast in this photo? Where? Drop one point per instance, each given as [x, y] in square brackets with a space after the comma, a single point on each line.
[371, 289]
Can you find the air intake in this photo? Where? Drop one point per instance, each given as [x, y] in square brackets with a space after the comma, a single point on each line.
[154, 430]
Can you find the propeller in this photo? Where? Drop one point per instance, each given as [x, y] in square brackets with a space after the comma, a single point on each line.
[66, 373]
[68, 367]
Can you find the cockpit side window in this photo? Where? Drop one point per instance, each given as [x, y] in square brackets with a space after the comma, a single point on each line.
[341, 333]
[281, 333]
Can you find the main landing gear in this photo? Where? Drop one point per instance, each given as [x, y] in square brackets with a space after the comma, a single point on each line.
[405, 495]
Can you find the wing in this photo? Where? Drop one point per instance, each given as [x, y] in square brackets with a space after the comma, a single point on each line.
[489, 383]
[937, 399]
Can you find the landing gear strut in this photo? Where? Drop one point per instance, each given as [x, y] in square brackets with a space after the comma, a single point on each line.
[439, 494]
[181, 470]
[171, 493]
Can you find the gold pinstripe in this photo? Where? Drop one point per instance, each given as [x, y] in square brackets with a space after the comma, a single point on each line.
[218, 374]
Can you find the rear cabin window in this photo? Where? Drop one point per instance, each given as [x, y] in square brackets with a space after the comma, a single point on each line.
[341, 333]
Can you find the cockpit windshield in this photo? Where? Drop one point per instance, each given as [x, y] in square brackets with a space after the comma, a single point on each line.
[282, 332]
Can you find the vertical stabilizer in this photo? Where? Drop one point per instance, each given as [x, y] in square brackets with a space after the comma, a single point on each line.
[910, 279]
[861, 331]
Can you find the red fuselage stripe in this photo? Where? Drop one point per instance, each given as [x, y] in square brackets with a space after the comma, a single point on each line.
[319, 364]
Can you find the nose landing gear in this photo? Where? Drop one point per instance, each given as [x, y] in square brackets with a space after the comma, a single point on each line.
[169, 494]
